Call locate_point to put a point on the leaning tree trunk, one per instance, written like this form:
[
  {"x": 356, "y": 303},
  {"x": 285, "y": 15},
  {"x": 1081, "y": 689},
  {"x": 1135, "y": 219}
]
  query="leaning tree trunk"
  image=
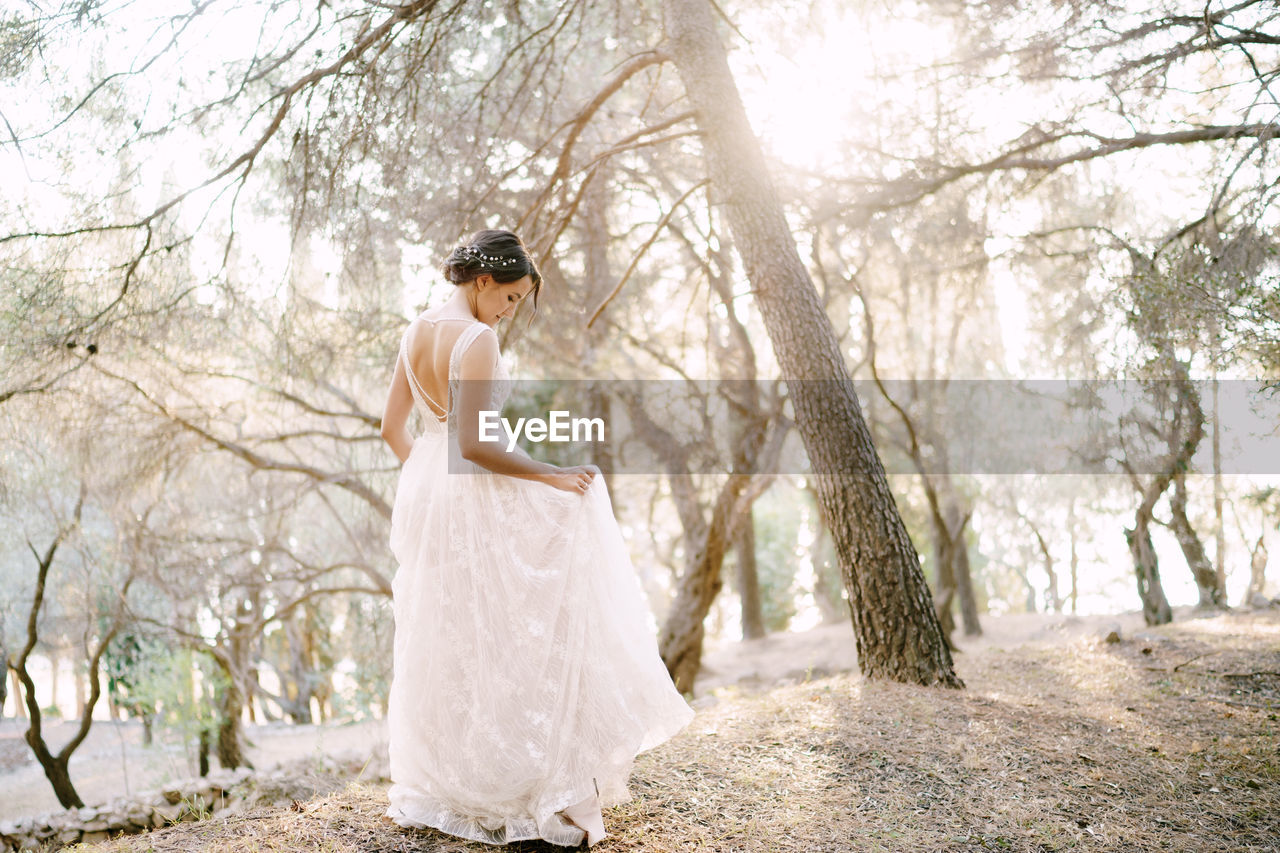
[
  {"x": 897, "y": 632},
  {"x": 1212, "y": 596},
  {"x": 1052, "y": 598},
  {"x": 680, "y": 640},
  {"x": 1155, "y": 607}
]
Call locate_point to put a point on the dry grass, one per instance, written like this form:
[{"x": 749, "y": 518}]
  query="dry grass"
[{"x": 1163, "y": 742}]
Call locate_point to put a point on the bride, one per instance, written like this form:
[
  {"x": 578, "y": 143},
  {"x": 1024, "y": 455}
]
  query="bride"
[{"x": 525, "y": 676}]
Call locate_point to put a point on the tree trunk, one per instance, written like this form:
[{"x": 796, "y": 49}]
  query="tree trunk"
[
  {"x": 680, "y": 640},
  {"x": 960, "y": 572},
  {"x": 944, "y": 581},
  {"x": 56, "y": 765},
  {"x": 55, "y": 664},
  {"x": 19, "y": 710},
  {"x": 1075, "y": 557},
  {"x": 1052, "y": 599},
  {"x": 1155, "y": 607},
  {"x": 202, "y": 753},
  {"x": 79, "y": 678},
  {"x": 1257, "y": 571},
  {"x": 897, "y": 631},
  {"x": 964, "y": 588},
  {"x": 1212, "y": 596},
  {"x": 230, "y": 748},
  {"x": 744, "y": 546}
]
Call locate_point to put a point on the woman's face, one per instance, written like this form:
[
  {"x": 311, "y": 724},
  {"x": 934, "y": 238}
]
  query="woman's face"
[{"x": 496, "y": 301}]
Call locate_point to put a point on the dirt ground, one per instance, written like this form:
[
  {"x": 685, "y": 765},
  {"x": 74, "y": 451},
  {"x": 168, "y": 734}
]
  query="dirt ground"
[
  {"x": 113, "y": 761},
  {"x": 1167, "y": 740}
]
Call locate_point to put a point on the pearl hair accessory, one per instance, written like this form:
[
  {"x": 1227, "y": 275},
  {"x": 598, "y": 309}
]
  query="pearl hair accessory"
[{"x": 476, "y": 253}]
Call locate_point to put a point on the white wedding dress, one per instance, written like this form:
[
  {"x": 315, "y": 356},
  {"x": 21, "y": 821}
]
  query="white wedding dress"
[{"x": 525, "y": 675}]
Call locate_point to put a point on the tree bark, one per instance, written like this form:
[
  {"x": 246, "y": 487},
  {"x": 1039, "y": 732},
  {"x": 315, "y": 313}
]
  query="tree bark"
[
  {"x": 1155, "y": 607},
  {"x": 944, "y": 580},
  {"x": 230, "y": 746},
  {"x": 1075, "y": 557},
  {"x": 1212, "y": 596},
  {"x": 897, "y": 631},
  {"x": 960, "y": 570},
  {"x": 1053, "y": 600},
  {"x": 744, "y": 546},
  {"x": 1257, "y": 571},
  {"x": 680, "y": 640}
]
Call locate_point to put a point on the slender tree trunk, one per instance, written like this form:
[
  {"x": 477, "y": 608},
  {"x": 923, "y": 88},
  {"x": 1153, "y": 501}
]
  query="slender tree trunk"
[
  {"x": 20, "y": 712},
  {"x": 680, "y": 640},
  {"x": 964, "y": 589},
  {"x": 4, "y": 669},
  {"x": 1052, "y": 599},
  {"x": 1212, "y": 596},
  {"x": 1219, "y": 529},
  {"x": 1075, "y": 557},
  {"x": 1155, "y": 607},
  {"x": 1257, "y": 571},
  {"x": 944, "y": 581},
  {"x": 79, "y": 679},
  {"x": 744, "y": 546},
  {"x": 55, "y": 665},
  {"x": 897, "y": 631},
  {"x": 55, "y": 765},
  {"x": 960, "y": 571}
]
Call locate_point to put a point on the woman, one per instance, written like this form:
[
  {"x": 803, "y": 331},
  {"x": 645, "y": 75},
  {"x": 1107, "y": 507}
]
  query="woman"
[{"x": 525, "y": 676}]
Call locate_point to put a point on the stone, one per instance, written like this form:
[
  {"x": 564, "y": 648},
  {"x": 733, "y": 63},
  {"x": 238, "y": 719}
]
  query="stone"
[{"x": 1113, "y": 634}]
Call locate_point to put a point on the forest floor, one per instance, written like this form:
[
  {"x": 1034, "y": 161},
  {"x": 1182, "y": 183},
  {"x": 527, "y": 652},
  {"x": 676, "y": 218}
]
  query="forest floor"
[{"x": 1167, "y": 740}]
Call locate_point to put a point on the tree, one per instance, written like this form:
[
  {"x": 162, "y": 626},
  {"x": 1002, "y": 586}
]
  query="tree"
[
  {"x": 897, "y": 631},
  {"x": 56, "y": 765}
]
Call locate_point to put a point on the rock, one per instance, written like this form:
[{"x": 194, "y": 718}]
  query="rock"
[
  {"x": 165, "y": 815},
  {"x": 1259, "y": 601},
  {"x": 1113, "y": 634}
]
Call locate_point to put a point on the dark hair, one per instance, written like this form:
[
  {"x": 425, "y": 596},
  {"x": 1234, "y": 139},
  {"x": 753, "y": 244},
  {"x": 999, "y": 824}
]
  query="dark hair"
[{"x": 501, "y": 254}]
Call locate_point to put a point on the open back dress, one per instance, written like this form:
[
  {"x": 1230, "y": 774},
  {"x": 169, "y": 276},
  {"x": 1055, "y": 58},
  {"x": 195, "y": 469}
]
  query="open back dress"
[{"x": 525, "y": 674}]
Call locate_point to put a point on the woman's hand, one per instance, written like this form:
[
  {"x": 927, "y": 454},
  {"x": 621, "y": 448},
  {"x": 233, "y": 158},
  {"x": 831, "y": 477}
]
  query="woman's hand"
[{"x": 575, "y": 479}]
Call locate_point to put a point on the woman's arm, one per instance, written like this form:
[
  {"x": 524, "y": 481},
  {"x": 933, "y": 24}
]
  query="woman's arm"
[
  {"x": 476, "y": 373},
  {"x": 395, "y": 415}
]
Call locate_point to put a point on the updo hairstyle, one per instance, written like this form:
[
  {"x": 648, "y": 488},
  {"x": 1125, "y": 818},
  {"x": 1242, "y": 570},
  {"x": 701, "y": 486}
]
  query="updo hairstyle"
[{"x": 501, "y": 254}]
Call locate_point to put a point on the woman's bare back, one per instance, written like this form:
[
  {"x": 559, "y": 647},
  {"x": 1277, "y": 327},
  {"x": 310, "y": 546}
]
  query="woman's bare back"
[{"x": 429, "y": 343}]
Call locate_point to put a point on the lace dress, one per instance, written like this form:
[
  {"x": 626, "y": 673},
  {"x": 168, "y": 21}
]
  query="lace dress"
[{"x": 525, "y": 675}]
